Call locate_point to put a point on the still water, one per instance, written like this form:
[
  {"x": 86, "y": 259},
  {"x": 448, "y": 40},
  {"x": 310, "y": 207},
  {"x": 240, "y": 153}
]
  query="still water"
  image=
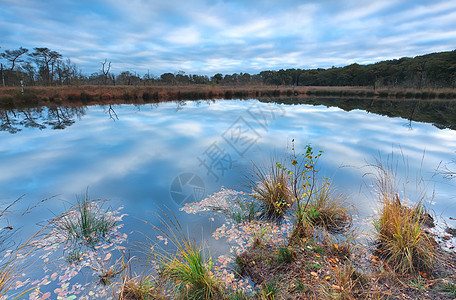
[{"x": 155, "y": 157}]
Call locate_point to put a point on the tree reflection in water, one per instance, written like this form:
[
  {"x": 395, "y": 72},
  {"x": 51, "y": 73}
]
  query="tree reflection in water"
[{"x": 55, "y": 117}]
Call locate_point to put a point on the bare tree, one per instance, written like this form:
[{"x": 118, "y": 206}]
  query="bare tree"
[{"x": 105, "y": 70}]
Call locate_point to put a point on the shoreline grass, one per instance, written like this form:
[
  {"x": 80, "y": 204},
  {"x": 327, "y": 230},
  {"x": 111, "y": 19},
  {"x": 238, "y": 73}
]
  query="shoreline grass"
[{"x": 83, "y": 95}]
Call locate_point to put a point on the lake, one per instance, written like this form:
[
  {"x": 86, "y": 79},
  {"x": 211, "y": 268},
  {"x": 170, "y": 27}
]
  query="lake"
[{"x": 154, "y": 158}]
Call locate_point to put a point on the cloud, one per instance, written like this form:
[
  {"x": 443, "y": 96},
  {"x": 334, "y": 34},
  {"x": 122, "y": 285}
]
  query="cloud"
[{"x": 204, "y": 36}]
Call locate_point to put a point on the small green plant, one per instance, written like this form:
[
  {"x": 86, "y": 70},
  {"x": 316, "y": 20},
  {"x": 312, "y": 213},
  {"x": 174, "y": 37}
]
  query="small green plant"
[
  {"x": 313, "y": 214},
  {"x": 74, "y": 255},
  {"x": 285, "y": 255},
  {"x": 245, "y": 211},
  {"x": 450, "y": 288},
  {"x": 301, "y": 286},
  {"x": 86, "y": 223},
  {"x": 418, "y": 283},
  {"x": 269, "y": 290},
  {"x": 313, "y": 266},
  {"x": 302, "y": 178}
]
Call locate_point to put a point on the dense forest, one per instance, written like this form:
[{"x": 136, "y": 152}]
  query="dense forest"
[{"x": 45, "y": 67}]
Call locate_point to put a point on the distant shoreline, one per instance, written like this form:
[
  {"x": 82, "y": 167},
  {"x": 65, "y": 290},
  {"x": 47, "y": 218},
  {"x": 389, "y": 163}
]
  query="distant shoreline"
[{"x": 11, "y": 97}]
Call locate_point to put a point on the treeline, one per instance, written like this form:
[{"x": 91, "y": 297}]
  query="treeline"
[{"x": 45, "y": 67}]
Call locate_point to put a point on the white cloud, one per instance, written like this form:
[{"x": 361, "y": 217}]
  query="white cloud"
[
  {"x": 186, "y": 36},
  {"x": 236, "y": 36}
]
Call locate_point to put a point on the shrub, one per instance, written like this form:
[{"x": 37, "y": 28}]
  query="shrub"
[{"x": 302, "y": 176}]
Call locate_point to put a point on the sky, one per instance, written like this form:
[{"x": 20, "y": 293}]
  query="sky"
[{"x": 214, "y": 36}]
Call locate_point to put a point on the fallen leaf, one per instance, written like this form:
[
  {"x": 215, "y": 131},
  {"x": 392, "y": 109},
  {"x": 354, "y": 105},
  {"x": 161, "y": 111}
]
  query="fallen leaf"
[{"x": 108, "y": 256}]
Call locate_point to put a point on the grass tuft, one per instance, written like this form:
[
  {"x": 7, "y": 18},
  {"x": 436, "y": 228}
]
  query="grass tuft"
[
  {"x": 140, "y": 289},
  {"x": 86, "y": 223},
  {"x": 402, "y": 240},
  {"x": 349, "y": 284},
  {"x": 328, "y": 210},
  {"x": 285, "y": 255},
  {"x": 271, "y": 186},
  {"x": 188, "y": 270}
]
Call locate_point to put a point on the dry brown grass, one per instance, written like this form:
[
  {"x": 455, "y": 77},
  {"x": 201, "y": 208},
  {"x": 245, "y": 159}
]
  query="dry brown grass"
[
  {"x": 51, "y": 95},
  {"x": 402, "y": 240},
  {"x": 329, "y": 209},
  {"x": 271, "y": 186}
]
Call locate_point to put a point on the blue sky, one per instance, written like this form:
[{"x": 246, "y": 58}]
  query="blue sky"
[{"x": 209, "y": 36}]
